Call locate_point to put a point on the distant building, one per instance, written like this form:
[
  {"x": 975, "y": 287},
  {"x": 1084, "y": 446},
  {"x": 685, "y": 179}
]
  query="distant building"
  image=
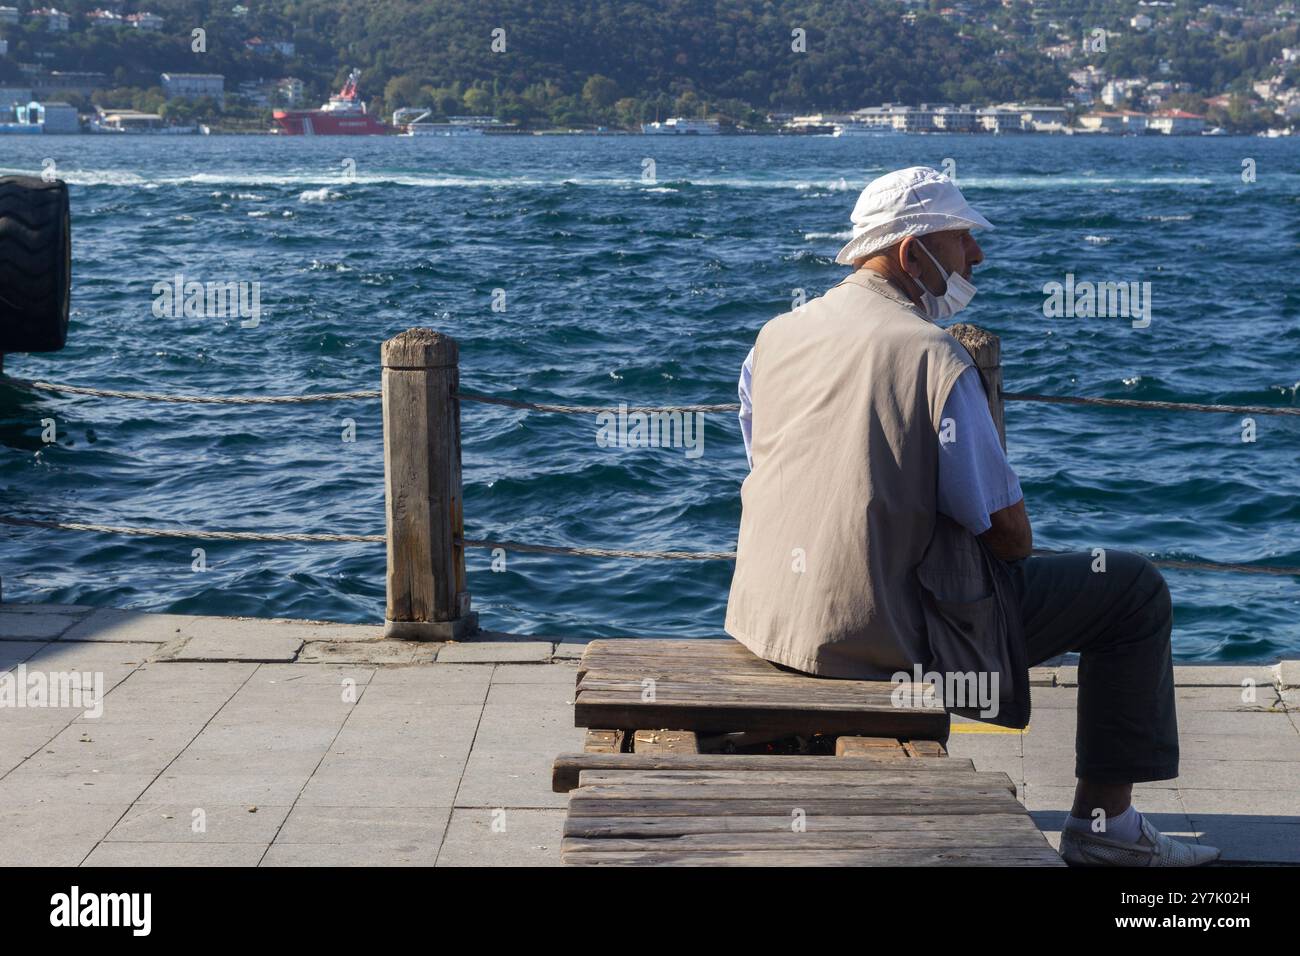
[
  {"x": 62, "y": 81},
  {"x": 51, "y": 117},
  {"x": 269, "y": 47},
  {"x": 1102, "y": 122},
  {"x": 56, "y": 21},
  {"x": 1140, "y": 22},
  {"x": 1043, "y": 119},
  {"x": 954, "y": 119},
  {"x": 12, "y": 95},
  {"x": 193, "y": 86},
  {"x": 289, "y": 91},
  {"x": 1176, "y": 123},
  {"x": 254, "y": 92},
  {"x": 1134, "y": 122},
  {"x": 145, "y": 21},
  {"x": 999, "y": 119},
  {"x": 8, "y": 15},
  {"x": 104, "y": 18},
  {"x": 127, "y": 121}
]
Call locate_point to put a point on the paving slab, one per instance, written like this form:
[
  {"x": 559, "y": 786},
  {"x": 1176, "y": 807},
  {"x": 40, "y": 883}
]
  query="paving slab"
[
  {"x": 350, "y": 854},
  {"x": 24, "y": 626},
  {"x": 231, "y": 644},
  {"x": 1042, "y": 677},
  {"x": 566, "y": 674},
  {"x": 1288, "y": 673},
  {"x": 503, "y": 836},
  {"x": 13, "y": 653},
  {"x": 138, "y": 627},
  {"x": 399, "y": 827},
  {"x": 336, "y": 674},
  {"x": 1217, "y": 675},
  {"x": 176, "y": 854},
  {"x": 369, "y": 652},
  {"x": 182, "y": 823},
  {"x": 224, "y": 789},
  {"x": 1276, "y": 805},
  {"x": 496, "y": 652},
  {"x": 569, "y": 650},
  {"x": 35, "y": 833},
  {"x": 1247, "y": 839}
]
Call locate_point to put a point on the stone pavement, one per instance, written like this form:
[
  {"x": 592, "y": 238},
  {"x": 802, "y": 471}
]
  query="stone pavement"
[{"x": 227, "y": 741}]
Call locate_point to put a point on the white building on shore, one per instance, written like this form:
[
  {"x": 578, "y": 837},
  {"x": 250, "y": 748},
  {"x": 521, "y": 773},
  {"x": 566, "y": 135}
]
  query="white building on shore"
[{"x": 194, "y": 86}]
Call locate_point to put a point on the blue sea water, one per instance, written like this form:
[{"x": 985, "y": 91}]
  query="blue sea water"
[{"x": 622, "y": 290}]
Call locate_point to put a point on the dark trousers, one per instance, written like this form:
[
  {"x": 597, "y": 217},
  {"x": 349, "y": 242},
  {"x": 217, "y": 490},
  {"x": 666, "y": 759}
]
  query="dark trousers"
[{"x": 1119, "y": 621}]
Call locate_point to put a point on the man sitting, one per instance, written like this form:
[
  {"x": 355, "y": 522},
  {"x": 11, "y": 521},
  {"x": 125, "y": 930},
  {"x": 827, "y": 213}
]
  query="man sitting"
[{"x": 883, "y": 528}]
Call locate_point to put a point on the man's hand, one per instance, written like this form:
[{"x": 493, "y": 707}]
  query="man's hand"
[{"x": 1010, "y": 537}]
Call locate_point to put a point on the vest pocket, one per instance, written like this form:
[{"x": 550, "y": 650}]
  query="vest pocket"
[{"x": 975, "y": 647}]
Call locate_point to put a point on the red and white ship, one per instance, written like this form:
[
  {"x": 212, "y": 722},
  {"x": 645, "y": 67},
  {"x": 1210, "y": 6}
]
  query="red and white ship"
[{"x": 344, "y": 115}]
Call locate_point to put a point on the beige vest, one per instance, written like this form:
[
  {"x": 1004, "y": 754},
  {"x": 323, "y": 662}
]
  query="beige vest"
[{"x": 841, "y": 502}]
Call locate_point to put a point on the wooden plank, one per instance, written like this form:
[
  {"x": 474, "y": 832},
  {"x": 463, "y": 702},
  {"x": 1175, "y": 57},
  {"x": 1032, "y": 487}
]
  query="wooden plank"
[
  {"x": 567, "y": 767},
  {"x": 652, "y": 826},
  {"x": 923, "y": 795},
  {"x": 649, "y": 691},
  {"x": 603, "y": 742},
  {"x": 926, "y": 748},
  {"x": 893, "y": 801},
  {"x": 665, "y": 742},
  {"x": 884, "y": 747},
  {"x": 722, "y": 716},
  {"x": 883, "y": 856},
  {"x": 787, "y": 839},
  {"x": 801, "y": 781}
]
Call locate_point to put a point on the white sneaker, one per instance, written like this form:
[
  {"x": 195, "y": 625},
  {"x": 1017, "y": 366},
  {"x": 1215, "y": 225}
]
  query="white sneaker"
[{"x": 1153, "y": 848}]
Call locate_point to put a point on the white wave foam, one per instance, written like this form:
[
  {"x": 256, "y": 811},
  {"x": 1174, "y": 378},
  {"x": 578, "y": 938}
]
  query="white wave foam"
[
  {"x": 844, "y": 236},
  {"x": 1097, "y": 240},
  {"x": 324, "y": 194}
]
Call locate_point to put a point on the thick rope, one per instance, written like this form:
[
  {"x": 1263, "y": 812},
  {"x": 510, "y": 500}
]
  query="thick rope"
[
  {"x": 594, "y": 409},
  {"x": 190, "y": 532},
  {"x": 1137, "y": 403},
  {"x": 613, "y": 409},
  {"x": 196, "y": 399},
  {"x": 604, "y": 552},
  {"x": 542, "y": 548}
]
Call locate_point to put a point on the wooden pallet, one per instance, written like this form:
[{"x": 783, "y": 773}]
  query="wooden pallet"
[{"x": 890, "y": 797}]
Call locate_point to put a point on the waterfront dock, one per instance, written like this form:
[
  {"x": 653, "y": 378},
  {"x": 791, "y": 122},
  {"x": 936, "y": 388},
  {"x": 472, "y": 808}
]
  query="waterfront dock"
[{"x": 257, "y": 742}]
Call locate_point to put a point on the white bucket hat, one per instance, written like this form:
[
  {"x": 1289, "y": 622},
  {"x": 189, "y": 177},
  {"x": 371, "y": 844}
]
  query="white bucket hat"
[{"x": 907, "y": 202}]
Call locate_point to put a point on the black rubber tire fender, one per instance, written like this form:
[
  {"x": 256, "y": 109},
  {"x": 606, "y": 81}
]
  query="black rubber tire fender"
[{"x": 35, "y": 264}]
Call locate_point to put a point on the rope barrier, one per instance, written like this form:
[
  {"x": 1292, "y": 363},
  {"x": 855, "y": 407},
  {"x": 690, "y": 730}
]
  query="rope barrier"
[
  {"x": 1138, "y": 403},
  {"x": 190, "y": 532},
  {"x": 196, "y": 399},
  {"x": 1172, "y": 563},
  {"x": 604, "y": 552},
  {"x": 595, "y": 409},
  {"x": 614, "y": 409}
]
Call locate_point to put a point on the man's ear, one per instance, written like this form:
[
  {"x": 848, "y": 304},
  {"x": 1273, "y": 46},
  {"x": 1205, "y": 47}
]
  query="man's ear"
[{"x": 909, "y": 260}]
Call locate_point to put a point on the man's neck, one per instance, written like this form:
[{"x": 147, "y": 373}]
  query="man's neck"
[{"x": 893, "y": 273}]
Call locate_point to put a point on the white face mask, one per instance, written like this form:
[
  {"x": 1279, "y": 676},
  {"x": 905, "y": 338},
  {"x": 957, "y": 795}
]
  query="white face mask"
[{"x": 956, "y": 297}]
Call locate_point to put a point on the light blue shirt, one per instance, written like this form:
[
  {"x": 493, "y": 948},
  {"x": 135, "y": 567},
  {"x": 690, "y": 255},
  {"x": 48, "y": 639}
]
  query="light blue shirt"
[{"x": 975, "y": 478}]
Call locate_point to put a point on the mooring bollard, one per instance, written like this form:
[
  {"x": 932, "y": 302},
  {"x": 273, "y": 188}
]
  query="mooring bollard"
[
  {"x": 427, "y": 596},
  {"x": 986, "y": 349}
]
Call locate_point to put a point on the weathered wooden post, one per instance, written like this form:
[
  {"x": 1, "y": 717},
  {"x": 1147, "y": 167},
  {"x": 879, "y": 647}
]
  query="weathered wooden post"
[
  {"x": 427, "y": 596},
  {"x": 986, "y": 349}
]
